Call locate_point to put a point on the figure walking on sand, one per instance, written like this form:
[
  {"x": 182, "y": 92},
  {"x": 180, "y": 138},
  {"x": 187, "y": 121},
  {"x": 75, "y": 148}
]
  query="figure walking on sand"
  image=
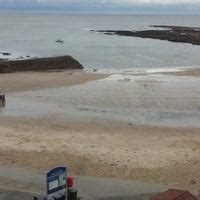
[{"x": 2, "y": 100}]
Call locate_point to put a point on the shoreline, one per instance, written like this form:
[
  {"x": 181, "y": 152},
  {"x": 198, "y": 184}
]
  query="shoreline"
[
  {"x": 37, "y": 80},
  {"x": 193, "y": 72},
  {"x": 179, "y": 71}
]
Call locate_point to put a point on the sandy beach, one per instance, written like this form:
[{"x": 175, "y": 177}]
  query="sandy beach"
[
  {"x": 95, "y": 144},
  {"x": 23, "y": 81}
]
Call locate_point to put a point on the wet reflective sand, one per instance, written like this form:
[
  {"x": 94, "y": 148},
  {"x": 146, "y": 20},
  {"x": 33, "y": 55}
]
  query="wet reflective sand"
[{"x": 151, "y": 99}]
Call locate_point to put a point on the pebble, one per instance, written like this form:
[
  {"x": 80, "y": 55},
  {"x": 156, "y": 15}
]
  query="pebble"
[{"x": 193, "y": 182}]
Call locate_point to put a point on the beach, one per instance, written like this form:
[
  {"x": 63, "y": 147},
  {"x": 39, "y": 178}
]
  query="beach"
[
  {"x": 24, "y": 81},
  {"x": 68, "y": 117}
]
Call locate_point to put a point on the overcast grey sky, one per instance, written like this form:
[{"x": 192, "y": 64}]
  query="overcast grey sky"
[
  {"x": 108, "y": 6},
  {"x": 104, "y": 1}
]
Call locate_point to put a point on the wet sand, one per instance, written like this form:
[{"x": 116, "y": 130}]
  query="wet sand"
[
  {"x": 195, "y": 72},
  {"x": 101, "y": 146}
]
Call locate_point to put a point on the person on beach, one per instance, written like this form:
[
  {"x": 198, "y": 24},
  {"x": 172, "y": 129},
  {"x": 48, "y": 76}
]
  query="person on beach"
[{"x": 2, "y": 100}]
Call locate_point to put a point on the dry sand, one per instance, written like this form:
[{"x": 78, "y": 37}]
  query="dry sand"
[
  {"x": 106, "y": 148},
  {"x": 24, "y": 81}
]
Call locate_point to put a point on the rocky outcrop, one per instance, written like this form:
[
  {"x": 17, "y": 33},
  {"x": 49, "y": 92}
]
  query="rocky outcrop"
[
  {"x": 37, "y": 64},
  {"x": 171, "y": 33}
]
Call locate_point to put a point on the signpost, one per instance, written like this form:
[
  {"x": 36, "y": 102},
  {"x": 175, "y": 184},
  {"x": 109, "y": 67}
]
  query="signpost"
[
  {"x": 58, "y": 186},
  {"x": 56, "y": 181}
]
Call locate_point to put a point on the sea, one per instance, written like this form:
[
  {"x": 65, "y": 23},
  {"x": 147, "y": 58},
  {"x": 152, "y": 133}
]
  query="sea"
[{"x": 34, "y": 34}]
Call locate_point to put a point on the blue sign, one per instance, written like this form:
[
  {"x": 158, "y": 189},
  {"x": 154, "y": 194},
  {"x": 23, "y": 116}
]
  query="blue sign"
[{"x": 56, "y": 180}]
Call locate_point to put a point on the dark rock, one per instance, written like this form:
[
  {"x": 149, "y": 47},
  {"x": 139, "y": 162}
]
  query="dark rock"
[
  {"x": 6, "y": 54},
  {"x": 39, "y": 64},
  {"x": 193, "y": 182},
  {"x": 170, "y": 33}
]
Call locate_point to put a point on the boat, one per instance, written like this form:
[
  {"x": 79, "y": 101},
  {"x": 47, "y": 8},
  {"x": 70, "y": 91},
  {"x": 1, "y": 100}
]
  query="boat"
[{"x": 59, "y": 41}]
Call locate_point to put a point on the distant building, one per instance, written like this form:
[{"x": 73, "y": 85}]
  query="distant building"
[{"x": 174, "y": 195}]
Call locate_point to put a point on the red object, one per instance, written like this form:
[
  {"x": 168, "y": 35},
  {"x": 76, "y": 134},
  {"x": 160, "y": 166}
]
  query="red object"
[
  {"x": 70, "y": 181},
  {"x": 175, "y": 195}
]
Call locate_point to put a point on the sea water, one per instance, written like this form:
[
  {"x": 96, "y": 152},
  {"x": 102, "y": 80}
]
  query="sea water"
[{"x": 35, "y": 34}]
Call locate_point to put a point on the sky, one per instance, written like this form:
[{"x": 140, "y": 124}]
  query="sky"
[
  {"x": 107, "y": 6},
  {"x": 103, "y": 1}
]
